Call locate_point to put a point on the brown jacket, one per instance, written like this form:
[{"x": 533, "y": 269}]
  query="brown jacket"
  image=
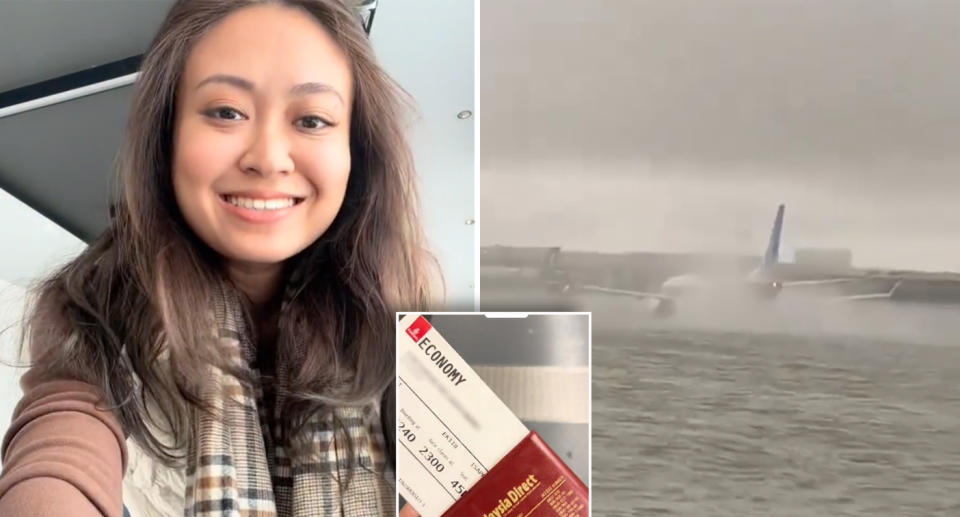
[{"x": 61, "y": 455}]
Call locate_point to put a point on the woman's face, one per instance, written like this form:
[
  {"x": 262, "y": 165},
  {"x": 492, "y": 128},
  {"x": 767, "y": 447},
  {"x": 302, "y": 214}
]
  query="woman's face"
[{"x": 261, "y": 147}]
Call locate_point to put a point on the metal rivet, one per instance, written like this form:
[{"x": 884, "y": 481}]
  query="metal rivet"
[{"x": 465, "y": 114}]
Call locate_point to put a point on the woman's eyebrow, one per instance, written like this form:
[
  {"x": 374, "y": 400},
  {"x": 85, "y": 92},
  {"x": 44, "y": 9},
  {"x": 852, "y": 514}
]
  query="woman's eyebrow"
[{"x": 243, "y": 84}]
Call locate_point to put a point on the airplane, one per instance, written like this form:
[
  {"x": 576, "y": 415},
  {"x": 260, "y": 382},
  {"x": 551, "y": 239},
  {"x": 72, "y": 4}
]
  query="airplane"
[{"x": 764, "y": 281}]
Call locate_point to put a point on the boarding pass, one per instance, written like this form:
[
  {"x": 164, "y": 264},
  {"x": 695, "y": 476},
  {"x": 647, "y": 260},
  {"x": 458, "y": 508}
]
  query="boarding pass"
[{"x": 451, "y": 427}]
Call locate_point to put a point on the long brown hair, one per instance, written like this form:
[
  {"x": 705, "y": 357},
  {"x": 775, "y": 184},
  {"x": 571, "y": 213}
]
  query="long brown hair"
[{"x": 124, "y": 313}]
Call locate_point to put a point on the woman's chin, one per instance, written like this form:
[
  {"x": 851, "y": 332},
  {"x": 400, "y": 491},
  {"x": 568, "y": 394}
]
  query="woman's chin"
[{"x": 262, "y": 255}]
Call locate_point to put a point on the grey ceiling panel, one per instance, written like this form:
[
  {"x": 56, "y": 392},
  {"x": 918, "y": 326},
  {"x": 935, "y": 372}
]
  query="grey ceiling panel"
[
  {"x": 43, "y": 39},
  {"x": 58, "y": 159}
]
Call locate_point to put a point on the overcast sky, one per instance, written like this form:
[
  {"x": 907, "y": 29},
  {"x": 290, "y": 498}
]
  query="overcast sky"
[{"x": 679, "y": 125}]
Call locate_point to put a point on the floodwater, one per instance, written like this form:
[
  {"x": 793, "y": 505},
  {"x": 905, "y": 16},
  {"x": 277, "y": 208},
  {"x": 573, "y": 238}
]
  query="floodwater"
[{"x": 795, "y": 408}]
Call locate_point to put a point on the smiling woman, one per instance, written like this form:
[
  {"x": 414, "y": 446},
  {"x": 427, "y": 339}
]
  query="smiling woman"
[
  {"x": 262, "y": 139},
  {"x": 227, "y": 345}
]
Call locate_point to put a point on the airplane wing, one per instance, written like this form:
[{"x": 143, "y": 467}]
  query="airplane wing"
[
  {"x": 814, "y": 283},
  {"x": 625, "y": 292},
  {"x": 665, "y": 306},
  {"x": 871, "y": 296}
]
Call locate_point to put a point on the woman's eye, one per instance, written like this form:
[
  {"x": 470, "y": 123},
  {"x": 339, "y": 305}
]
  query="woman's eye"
[
  {"x": 224, "y": 113},
  {"x": 313, "y": 123}
]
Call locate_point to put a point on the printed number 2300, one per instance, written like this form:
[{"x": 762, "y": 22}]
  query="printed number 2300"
[{"x": 432, "y": 460}]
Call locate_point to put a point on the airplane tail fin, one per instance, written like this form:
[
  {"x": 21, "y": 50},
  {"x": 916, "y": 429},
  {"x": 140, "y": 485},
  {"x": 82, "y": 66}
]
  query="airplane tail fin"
[
  {"x": 555, "y": 277},
  {"x": 772, "y": 256},
  {"x": 550, "y": 259}
]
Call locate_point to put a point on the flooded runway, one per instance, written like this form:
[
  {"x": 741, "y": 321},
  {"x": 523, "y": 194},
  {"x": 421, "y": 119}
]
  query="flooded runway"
[{"x": 815, "y": 411}]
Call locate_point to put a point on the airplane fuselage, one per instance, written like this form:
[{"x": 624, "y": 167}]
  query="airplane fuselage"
[{"x": 693, "y": 285}]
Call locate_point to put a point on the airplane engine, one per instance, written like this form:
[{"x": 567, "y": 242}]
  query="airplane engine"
[{"x": 768, "y": 290}]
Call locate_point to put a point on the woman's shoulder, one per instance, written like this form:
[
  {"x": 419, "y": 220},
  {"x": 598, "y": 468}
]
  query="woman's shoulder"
[
  {"x": 149, "y": 487},
  {"x": 60, "y": 432},
  {"x": 43, "y": 394}
]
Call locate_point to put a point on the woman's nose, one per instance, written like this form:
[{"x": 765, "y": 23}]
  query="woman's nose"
[{"x": 269, "y": 151}]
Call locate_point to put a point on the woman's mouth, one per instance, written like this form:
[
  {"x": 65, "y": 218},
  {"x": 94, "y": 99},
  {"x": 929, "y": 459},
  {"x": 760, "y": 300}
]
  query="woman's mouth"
[
  {"x": 259, "y": 210},
  {"x": 261, "y": 204}
]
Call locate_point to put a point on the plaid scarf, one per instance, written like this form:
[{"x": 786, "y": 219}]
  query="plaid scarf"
[{"x": 237, "y": 468}]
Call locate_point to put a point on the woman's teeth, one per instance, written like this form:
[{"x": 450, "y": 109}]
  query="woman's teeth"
[{"x": 261, "y": 204}]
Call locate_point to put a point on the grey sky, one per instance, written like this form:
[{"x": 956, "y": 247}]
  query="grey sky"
[{"x": 679, "y": 125}]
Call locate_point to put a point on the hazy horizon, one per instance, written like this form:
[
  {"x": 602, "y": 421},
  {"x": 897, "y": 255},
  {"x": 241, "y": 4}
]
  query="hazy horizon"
[{"x": 680, "y": 125}]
